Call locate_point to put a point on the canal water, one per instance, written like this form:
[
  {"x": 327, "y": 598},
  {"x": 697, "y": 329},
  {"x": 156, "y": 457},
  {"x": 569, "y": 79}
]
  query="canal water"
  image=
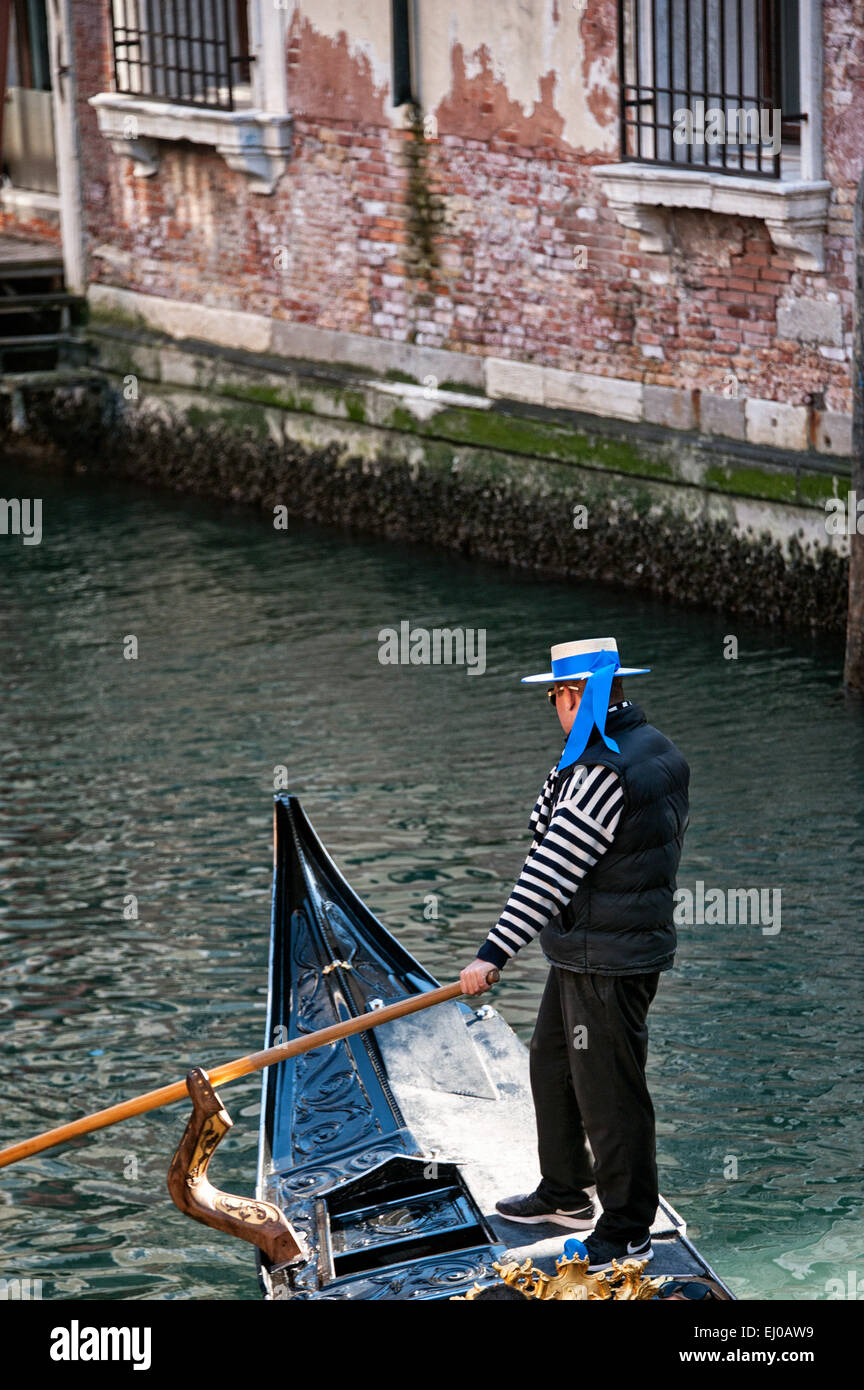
[{"x": 152, "y": 779}]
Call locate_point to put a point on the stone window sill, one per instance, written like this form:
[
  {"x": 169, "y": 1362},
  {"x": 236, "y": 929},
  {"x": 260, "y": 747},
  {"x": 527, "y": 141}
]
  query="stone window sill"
[
  {"x": 28, "y": 200},
  {"x": 255, "y": 143},
  {"x": 795, "y": 212}
]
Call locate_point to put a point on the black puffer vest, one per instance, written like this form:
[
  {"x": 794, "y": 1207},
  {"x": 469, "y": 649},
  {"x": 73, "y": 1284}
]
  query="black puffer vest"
[{"x": 620, "y": 919}]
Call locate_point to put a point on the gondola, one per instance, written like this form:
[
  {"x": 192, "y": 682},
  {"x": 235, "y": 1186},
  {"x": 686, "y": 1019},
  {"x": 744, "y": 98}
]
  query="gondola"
[
  {"x": 386, "y": 1138},
  {"x": 387, "y": 1150}
]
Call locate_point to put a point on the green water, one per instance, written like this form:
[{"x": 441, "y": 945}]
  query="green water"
[{"x": 154, "y": 777}]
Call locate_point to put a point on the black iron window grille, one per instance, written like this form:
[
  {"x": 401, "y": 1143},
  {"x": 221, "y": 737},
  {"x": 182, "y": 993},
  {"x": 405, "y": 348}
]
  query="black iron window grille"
[
  {"x": 711, "y": 84},
  {"x": 191, "y": 52}
]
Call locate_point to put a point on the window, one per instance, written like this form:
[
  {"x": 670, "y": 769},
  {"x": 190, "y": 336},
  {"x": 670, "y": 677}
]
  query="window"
[
  {"x": 711, "y": 85},
  {"x": 29, "y": 66},
  {"x": 403, "y": 57},
  {"x": 187, "y": 52},
  {"x": 26, "y": 116},
  {"x": 204, "y": 72}
]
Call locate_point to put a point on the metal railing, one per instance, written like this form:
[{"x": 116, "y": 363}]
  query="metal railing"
[
  {"x": 191, "y": 52},
  {"x": 710, "y": 84}
]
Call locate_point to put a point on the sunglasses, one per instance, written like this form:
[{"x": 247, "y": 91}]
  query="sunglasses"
[{"x": 552, "y": 692}]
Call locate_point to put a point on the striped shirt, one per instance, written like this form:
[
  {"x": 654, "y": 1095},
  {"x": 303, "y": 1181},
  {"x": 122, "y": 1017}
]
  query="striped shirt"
[{"x": 571, "y": 830}]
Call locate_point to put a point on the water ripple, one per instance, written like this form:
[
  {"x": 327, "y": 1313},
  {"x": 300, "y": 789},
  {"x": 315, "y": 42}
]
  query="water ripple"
[{"x": 135, "y": 864}]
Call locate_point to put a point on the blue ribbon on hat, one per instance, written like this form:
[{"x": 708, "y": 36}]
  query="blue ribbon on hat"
[{"x": 594, "y": 703}]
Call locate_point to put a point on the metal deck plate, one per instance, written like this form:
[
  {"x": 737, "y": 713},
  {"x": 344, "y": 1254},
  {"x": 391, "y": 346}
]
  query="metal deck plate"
[{"x": 492, "y": 1135}]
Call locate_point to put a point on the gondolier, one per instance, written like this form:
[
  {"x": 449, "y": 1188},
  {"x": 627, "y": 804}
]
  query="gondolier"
[
  {"x": 597, "y": 888},
  {"x": 356, "y": 1100}
]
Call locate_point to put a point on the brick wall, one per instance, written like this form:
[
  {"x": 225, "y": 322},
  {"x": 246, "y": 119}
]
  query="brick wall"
[
  {"x": 34, "y": 226},
  {"x": 468, "y": 240}
]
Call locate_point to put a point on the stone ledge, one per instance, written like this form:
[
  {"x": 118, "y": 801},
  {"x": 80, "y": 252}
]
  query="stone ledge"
[
  {"x": 834, "y": 433},
  {"x": 255, "y": 143},
  {"x": 777, "y": 424},
  {"x": 796, "y": 214},
  {"x": 778, "y": 564},
  {"x": 678, "y": 414},
  {"x": 258, "y": 333},
  {"x": 308, "y": 399},
  {"x": 550, "y": 386},
  {"x": 722, "y": 415}
]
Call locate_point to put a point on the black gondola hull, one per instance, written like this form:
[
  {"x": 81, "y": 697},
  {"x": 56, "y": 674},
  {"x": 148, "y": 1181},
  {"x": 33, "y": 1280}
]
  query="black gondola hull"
[{"x": 388, "y": 1149}]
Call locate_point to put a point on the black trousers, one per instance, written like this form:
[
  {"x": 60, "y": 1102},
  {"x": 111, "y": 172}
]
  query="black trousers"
[{"x": 595, "y": 1120}]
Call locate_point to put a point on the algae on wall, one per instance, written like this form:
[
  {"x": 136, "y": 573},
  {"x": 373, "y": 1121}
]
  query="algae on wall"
[{"x": 502, "y": 509}]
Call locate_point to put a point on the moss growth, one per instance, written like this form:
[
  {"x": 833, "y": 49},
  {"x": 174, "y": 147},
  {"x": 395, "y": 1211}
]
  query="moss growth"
[
  {"x": 493, "y": 431},
  {"x": 123, "y": 363},
  {"x": 334, "y": 365},
  {"x": 277, "y": 396},
  {"x": 753, "y": 482},
  {"x": 518, "y": 435},
  {"x": 344, "y": 401},
  {"x": 113, "y": 317},
  {"x": 817, "y": 487},
  {"x": 234, "y": 417},
  {"x": 508, "y": 510},
  {"x": 466, "y": 388},
  {"x": 355, "y": 405},
  {"x": 402, "y": 419},
  {"x": 424, "y": 206},
  {"x": 394, "y": 374}
]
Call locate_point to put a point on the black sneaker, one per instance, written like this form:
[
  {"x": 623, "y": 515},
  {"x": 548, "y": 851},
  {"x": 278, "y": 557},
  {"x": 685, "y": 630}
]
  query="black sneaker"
[
  {"x": 601, "y": 1252},
  {"x": 534, "y": 1210}
]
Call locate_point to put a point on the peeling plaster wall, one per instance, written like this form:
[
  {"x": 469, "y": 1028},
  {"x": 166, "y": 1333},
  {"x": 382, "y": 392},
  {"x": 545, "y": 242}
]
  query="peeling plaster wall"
[
  {"x": 539, "y": 69},
  {"x": 543, "y": 68},
  {"x": 468, "y": 240},
  {"x": 339, "y": 63}
]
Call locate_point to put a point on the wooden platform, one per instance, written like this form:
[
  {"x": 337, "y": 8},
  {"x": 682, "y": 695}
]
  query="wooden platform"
[
  {"x": 39, "y": 320},
  {"x": 19, "y": 256}
]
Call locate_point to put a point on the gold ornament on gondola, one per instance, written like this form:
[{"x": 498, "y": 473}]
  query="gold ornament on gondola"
[{"x": 625, "y": 1280}]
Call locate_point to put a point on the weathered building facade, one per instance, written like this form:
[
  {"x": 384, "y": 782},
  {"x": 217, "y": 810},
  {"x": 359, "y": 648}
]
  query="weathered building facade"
[
  {"x": 461, "y": 187},
  {"x": 639, "y": 213}
]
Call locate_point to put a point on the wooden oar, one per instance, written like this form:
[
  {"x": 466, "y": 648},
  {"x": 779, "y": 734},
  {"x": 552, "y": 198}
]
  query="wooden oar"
[{"x": 230, "y": 1071}]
